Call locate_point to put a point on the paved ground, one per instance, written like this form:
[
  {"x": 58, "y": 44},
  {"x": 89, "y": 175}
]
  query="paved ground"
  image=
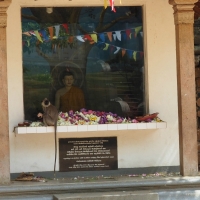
[{"x": 160, "y": 186}]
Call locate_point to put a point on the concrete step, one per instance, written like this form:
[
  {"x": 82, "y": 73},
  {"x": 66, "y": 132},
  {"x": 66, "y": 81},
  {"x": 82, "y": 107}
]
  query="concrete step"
[
  {"x": 137, "y": 195},
  {"x": 120, "y": 188}
]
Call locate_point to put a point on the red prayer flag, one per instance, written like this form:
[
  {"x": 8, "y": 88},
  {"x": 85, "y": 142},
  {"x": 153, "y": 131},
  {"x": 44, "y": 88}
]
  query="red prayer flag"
[
  {"x": 88, "y": 37},
  {"x": 128, "y": 32},
  {"x": 66, "y": 27}
]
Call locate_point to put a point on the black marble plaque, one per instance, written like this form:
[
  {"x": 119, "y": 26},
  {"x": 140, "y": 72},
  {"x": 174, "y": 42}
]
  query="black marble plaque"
[{"x": 88, "y": 154}]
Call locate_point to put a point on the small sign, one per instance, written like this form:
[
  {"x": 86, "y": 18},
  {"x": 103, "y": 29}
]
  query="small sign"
[{"x": 88, "y": 154}]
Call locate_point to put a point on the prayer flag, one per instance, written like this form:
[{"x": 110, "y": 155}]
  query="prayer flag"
[
  {"x": 111, "y": 48},
  {"x": 50, "y": 32},
  {"x": 109, "y": 34},
  {"x": 65, "y": 27},
  {"x": 114, "y": 36},
  {"x": 70, "y": 39},
  {"x": 32, "y": 33},
  {"x": 134, "y": 55},
  {"x": 102, "y": 36},
  {"x": 57, "y": 28},
  {"x": 124, "y": 36},
  {"x": 118, "y": 48},
  {"x": 38, "y": 36},
  {"x": 130, "y": 53},
  {"x": 94, "y": 37},
  {"x": 112, "y": 5},
  {"x": 105, "y": 4},
  {"x": 118, "y": 34},
  {"x": 28, "y": 43},
  {"x": 128, "y": 32},
  {"x": 80, "y": 38},
  {"x": 87, "y": 37},
  {"x": 106, "y": 47},
  {"x": 27, "y": 33},
  {"x": 123, "y": 52},
  {"x": 137, "y": 29},
  {"x": 44, "y": 34}
]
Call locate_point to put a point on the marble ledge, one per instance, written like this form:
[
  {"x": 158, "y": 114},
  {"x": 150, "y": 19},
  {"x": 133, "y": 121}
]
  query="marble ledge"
[{"x": 88, "y": 128}]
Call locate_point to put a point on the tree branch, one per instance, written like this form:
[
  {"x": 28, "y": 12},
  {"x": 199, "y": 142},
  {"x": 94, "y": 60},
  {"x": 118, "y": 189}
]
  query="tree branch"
[
  {"x": 31, "y": 17},
  {"x": 104, "y": 28},
  {"x": 101, "y": 18},
  {"x": 47, "y": 58}
]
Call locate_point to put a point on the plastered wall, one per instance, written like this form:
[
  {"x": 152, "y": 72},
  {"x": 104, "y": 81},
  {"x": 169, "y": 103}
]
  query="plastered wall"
[{"x": 141, "y": 148}]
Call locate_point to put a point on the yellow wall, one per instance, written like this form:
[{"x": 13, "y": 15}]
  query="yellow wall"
[{"x": 141, "y": 148}]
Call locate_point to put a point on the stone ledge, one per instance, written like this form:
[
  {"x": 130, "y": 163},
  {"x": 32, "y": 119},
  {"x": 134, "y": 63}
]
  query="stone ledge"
[
  {"x": 136, "y": 195},
  {"x": 108, "y": 185},
  {"x": 87, "y": 128}
]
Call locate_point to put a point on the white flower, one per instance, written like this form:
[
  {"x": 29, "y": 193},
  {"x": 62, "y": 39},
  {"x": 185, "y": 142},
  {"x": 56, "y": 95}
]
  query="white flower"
[
  {"x": 36, "y": 124},
  {"x": 109, "y": 117},
  {"x": 60, "y": 119},
  {"x": 63, "y": 123},
  {"x": 124, "y": 120},
  {"x": 83, "y": 116}
]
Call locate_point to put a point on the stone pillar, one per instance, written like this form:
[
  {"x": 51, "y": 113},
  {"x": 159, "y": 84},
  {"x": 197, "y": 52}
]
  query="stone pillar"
[
  {"x": 4, "y": 125},
  {"x": 184, "y": 19}
]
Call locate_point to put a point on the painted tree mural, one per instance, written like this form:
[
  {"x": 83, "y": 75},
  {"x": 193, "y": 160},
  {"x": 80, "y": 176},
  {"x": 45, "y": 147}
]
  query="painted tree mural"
[{"x": 71, "y": 38}]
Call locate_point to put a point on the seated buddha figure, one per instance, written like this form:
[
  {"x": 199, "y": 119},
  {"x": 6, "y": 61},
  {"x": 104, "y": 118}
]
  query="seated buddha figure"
[{"x": 69, "y": 97}]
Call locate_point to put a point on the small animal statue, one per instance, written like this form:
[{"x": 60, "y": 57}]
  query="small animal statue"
[{"x": 50, "y": 118}]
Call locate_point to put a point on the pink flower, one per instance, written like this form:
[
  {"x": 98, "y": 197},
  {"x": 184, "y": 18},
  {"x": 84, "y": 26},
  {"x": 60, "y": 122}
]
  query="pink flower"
[
  {"x": 62, "y": 115},
  {"x": 71, "y": 112},
  {"x": 143, "y": 174},
  {"x": 90, "y": 111},
  {"x": 119, "y": 121}
]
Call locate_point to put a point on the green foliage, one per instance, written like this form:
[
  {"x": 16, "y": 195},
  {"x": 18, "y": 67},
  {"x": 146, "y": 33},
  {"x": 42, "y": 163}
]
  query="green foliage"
[
  {"x": 47, "y": 44},
  {"x": 45, "y": 78}
]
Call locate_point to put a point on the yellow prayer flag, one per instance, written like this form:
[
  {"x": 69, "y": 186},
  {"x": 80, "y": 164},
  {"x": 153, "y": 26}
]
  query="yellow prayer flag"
[
  {"x": 105, "y": 4},
  {"x": 106, "y": 47},
  {"x": 137, "y": 29},
  {"x": 134, "y": 55},
  {"x": 38, "y": 36},
  {"x": 28, "y": 43},
  {"x": 94, "y": 37}
]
